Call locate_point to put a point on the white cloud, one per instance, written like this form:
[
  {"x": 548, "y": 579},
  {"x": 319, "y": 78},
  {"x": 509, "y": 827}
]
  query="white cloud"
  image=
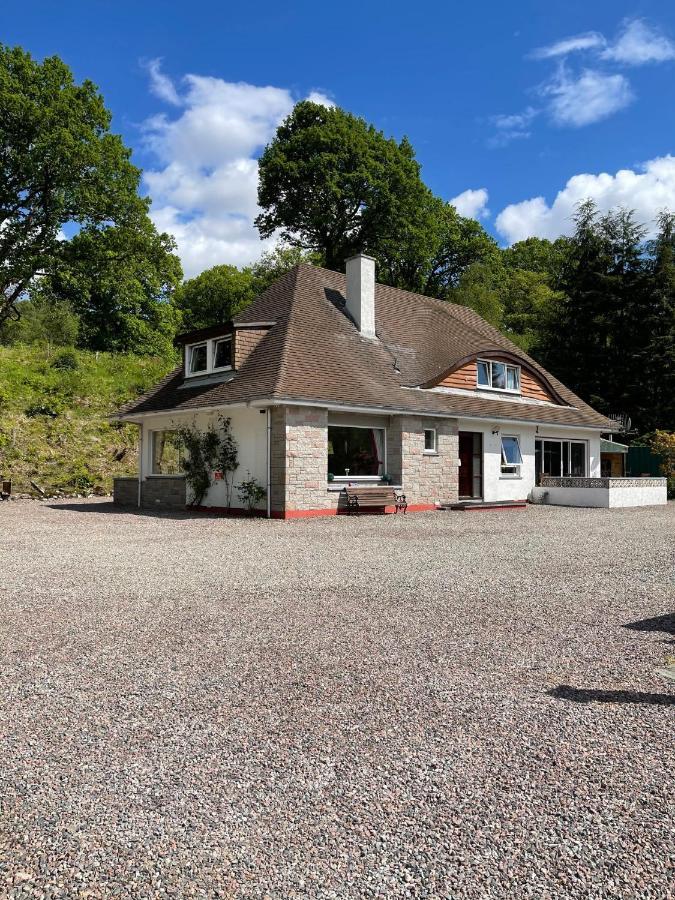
[
  {"x": 472, "y": 203},
  {"x": 590, "y": 40},
  {"x": 512, "y": 127},
  {"x": 160, "y": 84},
  {"x": 638, "y": 43},
  {"x": 204, "y": 188},
  {"x": 646, "y": 190},
  {"x": 578, "y": 100},
  {"x": 320, "y": 98}
]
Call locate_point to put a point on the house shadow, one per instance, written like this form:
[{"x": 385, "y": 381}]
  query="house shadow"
[
  {"x": 107, "y": 507},
  {"x": 599, "y": 695},
  {"x": 665, "y": 623}
]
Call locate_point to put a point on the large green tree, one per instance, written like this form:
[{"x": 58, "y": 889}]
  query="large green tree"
[
  {"x": 333, "y": 184},
  {"x": 121, "y": 282},
  {"x": 62, "y": 170},
  {"x": 60, "y": 165},
  {"x": 214, "y": 296}
]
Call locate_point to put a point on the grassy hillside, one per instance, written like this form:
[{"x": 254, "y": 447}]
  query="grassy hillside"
[{"x": 54, "y": 409}]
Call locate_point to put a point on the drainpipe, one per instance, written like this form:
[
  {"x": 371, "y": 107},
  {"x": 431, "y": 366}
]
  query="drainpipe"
[
  {"x": 269, "y": 463},
  {"x": 140, "y": 462}
]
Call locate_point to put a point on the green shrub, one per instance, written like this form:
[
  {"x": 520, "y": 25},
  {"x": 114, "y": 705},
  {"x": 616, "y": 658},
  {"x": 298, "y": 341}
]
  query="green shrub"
[
  {"x": 41, "y": 409},
  {"x": 66, "y": 359}
]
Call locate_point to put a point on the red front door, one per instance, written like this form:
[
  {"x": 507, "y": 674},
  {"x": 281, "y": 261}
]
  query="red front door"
[{"x": 471, "y": 464}]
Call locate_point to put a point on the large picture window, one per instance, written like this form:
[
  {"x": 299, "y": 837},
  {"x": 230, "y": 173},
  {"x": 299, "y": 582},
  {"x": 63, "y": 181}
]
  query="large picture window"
[
  {"x": 166, "y": 453},
  {"x": 355, "y": 452},
  {"x": 566, "y": 459}
]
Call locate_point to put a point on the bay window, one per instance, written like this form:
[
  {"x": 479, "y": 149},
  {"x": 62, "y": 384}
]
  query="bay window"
[
  {"x": 498, "y": 376},
  {"x": 355, "y": 452}
]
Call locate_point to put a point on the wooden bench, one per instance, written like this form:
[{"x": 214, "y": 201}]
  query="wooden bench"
[{"x": 362, "y": 498}]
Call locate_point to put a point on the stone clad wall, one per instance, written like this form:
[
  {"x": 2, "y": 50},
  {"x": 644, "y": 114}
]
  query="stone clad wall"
[
  {"x": 166, "y": 492},
  {"x": 426, "y": 478},
  {"x": 125, "y": 491}
]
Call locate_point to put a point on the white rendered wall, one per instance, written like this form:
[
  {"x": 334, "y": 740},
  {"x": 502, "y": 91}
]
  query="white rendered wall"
[
  {"x": 507, "y": 487},
  {"x": 607, "y": 498},
  {"x": 249, "y": 427}
]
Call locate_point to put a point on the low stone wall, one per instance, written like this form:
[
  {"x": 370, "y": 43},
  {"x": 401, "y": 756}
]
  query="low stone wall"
[
  {"x": 165, "y": 492},
  {"x": 607, "y": 493},
  {"x": 125, "y": 491}
]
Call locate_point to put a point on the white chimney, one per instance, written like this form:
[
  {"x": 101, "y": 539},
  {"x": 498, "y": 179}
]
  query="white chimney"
[{"x": 361, "y": 293}]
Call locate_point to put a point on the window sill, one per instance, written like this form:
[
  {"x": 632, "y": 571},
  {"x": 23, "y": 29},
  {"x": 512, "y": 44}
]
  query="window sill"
[
  {"x": 510, "y": 477},
  {"x": 340, "y": 486},
  {"x": 429, "y": 452},
  {"x": 487, "y": 387}
]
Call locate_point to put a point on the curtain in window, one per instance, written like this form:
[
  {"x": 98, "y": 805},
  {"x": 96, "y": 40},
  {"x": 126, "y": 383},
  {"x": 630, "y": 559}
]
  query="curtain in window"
[{"x": 378, "y": 446}]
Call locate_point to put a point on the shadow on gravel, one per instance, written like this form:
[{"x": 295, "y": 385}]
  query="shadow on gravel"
[
  {"x": 589, "y": 695},
  {"x": 109, "y": 508},
  {"x": 658, "y": 623}
]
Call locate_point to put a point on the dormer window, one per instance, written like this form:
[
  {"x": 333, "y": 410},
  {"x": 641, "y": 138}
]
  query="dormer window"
[
  {"x": 222, "y": 353},
  {"x": 209, "y": 356},
  {"x": 198, "y": 359},
  {"x": 498, "y": 376}
]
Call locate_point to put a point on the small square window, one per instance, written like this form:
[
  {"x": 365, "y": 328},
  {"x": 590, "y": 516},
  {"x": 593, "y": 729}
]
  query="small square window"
[
  {"x": 198, "y": 358},
  {"x": 222, "y": 354},
  {"x": 429, "y": 440}
]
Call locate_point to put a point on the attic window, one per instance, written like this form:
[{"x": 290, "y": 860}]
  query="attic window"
[
  {"x": 498, "y": 376},
  {"x": 214, "y": 355},
  {"x": 198, "y": 358},
  {"x": 222, "y": 353}
]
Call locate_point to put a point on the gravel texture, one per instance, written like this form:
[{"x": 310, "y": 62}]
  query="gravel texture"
[{"x": 436, "y": 705}]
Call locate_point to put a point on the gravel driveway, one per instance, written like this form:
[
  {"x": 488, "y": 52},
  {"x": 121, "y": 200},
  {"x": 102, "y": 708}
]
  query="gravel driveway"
[{"x": 436, "y": 705}]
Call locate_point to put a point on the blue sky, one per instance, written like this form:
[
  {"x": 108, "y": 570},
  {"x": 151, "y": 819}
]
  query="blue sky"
[{"x": 518, "y": 110}]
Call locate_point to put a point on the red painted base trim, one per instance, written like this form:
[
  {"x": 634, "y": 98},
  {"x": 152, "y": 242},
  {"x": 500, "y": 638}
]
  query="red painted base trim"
[{"x": 315, "y": 513}]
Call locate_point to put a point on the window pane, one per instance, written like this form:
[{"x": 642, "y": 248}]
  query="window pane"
[
  {"x": 223, "y": 354},
  {"x": 512, "y": 378},
  {"x": 566, "y": 459},
  {"x": 578, "y": 459},
  {"x": 552, "y": 458},
  {"x": 166, "y": 453},
  {"x": 511, "y": 451},
  {"x": 484, "y": 374},
  {"x": 198, "y": 358},
  {"x": 498, "y": 375},
  {"x": 355, "y": 451},
  {"x": 429, "y": 439}
]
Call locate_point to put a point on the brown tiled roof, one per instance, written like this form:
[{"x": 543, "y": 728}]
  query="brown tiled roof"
[{"x": 315, "y": 353}]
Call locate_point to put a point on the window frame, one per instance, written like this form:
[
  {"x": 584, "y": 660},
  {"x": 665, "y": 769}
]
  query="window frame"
[
  {"x": 210, "y": 344},
  {"x": 507, "y": 366},
  {"x": 506, "y": 469},
  {"x": 153, "y": 437},
  {"x": 188, "y": 358},
  {"x": 583, "y": 442},
  {"x": 220, "y": 340},
  {"x": 347, "y": 479},
  {"x": 433, "y": 450}
]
